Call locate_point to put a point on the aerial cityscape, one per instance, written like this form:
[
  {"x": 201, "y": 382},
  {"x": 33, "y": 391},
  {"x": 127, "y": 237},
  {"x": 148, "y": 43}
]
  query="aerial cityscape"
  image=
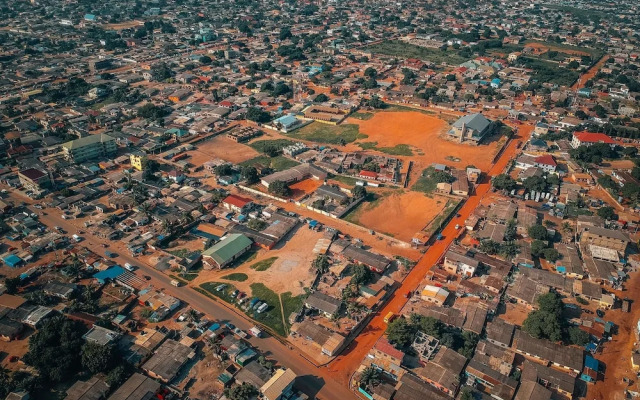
[{"x": 321, "y": 199}]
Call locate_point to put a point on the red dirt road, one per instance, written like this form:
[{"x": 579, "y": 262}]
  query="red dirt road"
[
  {"x": 590, "y": 73},
  {"x": 344, "y": 365}
]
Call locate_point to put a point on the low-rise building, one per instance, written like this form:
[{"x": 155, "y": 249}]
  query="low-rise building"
[
  {"x": 225, "y": 252},
  {"x": 168, "y": 360},
  {"x": 89, "y": 147}
]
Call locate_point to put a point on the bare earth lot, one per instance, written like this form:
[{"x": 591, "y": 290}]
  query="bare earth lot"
[
  {"x": 425, "y": 135},
  {"x": 302, "y": 188},
  {"x": 291, "y": 272},
  {"x": 221, "y": 147},
  {"x": 399, "y": 214}
]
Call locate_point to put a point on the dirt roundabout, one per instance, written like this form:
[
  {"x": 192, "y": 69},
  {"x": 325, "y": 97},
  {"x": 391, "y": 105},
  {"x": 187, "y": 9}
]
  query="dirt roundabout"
[
  {"x": 425, "y": 135},
  {"x": 400, "y": 214}
]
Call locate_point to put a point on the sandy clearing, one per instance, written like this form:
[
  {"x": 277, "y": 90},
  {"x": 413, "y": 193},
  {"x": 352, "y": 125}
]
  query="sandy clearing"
[
  {"x": 401, "y": 214},
  {"x": 425, "y": 134},
  {"x": 302, "y": 188},
  {"x": 547, "y": 47},
  {"x": 221, "y": 147},
  {"x": 291, "y": 272}
]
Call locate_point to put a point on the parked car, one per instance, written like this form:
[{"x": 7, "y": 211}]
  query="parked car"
[
  {"x": 129, "y": 267},
  {"x": 220, "y": 288},
  {"x": 235, "y": 293}
]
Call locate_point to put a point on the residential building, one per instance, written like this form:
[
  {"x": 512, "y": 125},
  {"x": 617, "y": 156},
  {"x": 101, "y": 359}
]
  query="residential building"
[
  {"x": 89, "y": 147},
  {"x": 589, "y": 138},
  {"x": 471, "y": 127},
  {"x": 280, "y": 386}
]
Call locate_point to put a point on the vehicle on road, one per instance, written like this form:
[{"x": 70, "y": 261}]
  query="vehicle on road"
[
  {"x": 255, "y": 331},
  {"x": 129, "y": 267},
  {"x": 230, "y": 326},
  {"x": 457, "y": 226},
  {"x": 76, "y": 238},
  {"x": 59, "y": 229},
  {"x": 440, "y": 236},
  {"x": 239, "y": 332},
  {"x": 175, "y": 282},
  {"x": 389, "y": 317}
]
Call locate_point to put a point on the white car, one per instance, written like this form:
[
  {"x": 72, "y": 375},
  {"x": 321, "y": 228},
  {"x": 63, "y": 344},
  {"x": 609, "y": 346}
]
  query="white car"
[{"x": 129, "y": 267}]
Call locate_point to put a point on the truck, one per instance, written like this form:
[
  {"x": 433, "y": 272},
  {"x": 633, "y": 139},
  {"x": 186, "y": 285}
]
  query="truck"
[
  {"x": 389, "y": 317},
  {"x": 175, "y": 282},
  {"x": 76, "y": 238},
  {"x": 129, "y": 267},
  {"x": 262, "y": 308},
  {"x": 255, "y": 331}
]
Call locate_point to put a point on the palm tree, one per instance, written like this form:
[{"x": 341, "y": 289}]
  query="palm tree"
[
  {"x": 567, "y": 228},
  {"x": 369, "y": 377}
]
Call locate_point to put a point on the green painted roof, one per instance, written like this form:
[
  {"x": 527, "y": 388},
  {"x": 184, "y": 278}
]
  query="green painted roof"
[
  {"x": 87, "y": 140},
  {"x": 224, "y": 251}
]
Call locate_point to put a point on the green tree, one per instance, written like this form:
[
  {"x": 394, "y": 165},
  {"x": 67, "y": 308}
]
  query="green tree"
[
  {"x": 321, "y": 98},
  {"x": 400, "y": 332},
  {"x": 12, "y": 285},
  {"x": 258, "y": 115},
  {"x": 359, "y": 192},
  {"x": 321, "y": 264},
  {"x": 98, "y": 358},
  {"x": 546, "y": 322},
  {"x": 538, "y": 232},
  {"x": 489, "y": 247},
  {"x": 510, "y": 230},
  {"x": 54, "y": 350},
  {"x": 551, "y": 255},
  {"x": 245, "y": 391},
  {"x": 369, "y": 378},
  {"x": 117, "y": 376},
  {"x": 537, "y": 248},
  {"x": 577, "y": 336},
  {"x": 503, "y": 182},
  {"x": 279, "y": 188},
  {"x": 607, "y": 213},
  {"x": 257, "y": 224},
  {"x": 361, "y": 274}
]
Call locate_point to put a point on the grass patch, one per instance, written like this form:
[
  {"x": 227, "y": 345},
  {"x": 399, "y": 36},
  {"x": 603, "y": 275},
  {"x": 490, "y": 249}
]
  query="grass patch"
[
  {"x": 397, "y": 150},
  {"x": 272, "y": 316},
  {"x": 264, "y": 264},
  {"x": 260, "y": 145},
  {"x": 182, "y": 253},
  {"x": 291, "y": 304},
  {"x": 236, "y": 276},
  {"x": 277, "y": 163},
  {"x": 187, "y": 277},
  {"x": 224, "y": 294},
  {"x": 442, "y": 217},
  {"x": 347, "y": 180},
  {"x": 429, "y": 179},
  {"x": 548, "y": 72},
  {"x": 364, "y": 116},
  {"x": 397, "y": 48},
  {"x": 325, "y": 133}
]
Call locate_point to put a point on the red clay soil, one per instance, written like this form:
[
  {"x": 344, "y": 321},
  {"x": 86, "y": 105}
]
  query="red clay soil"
[
  {"x": 590, "y": 73},
  {"x": 345, "y": 364},
  {"x": 616, "y": 354}
]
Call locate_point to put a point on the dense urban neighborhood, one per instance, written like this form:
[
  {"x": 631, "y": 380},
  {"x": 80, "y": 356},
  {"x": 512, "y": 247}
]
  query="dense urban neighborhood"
[{"x": 284, "y": 200}]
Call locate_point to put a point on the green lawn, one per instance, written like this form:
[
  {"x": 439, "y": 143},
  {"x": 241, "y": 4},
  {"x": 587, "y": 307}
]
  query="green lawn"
[
  {"x": 179, "y": 253},
  {"x": 264, "y": 264},
  {"x": 397, "y": 150},
  {"x": 236, "y": 276},
  {"x": 397, "y": 48},
  {"x": 278, "y": 143},
  {"x": 426, "y": 183},
  {"x": 347, "y": 180},
  {"x": 331, "y": 134},
  {"x": 362, "y": 115},
  {"x": 291, "y": 304},
  {"x": 277, "y": 163},
  {"x": 225, "y": 294},
  {"x": 272, "y": 317},
  {"x": 548, "y": 72}
]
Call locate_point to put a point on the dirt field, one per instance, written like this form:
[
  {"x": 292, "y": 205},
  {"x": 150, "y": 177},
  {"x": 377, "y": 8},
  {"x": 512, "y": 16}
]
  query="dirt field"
[
  {"x": 291, "y": 272},
  {"x": 546, "y": 47},
  {"x": 302, "y": 188},
  {"x": 424, "y": 133},
  {"x": 400, "y": 214},
  {"x": 221, "y": 147},
  {"x": 122, "y": 25},
  {"x": 616, "y": 354}
]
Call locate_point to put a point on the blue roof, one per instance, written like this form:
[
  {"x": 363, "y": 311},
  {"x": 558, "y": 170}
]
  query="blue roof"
[
  {"x": 313, "y": 223},
  {"x": 496, "y": 80},
  {"x": 110, "y": 273},
  {"x": 89, "y": 17},
  {"x": 12, "y": 260},
  {"x": 592, "y": 363},
  {"x": 287, "y": 120}
]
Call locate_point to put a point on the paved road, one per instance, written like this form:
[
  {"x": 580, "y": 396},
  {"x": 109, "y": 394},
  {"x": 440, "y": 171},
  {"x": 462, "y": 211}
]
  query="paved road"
[
  {"x": 344, "y": 365},
  {"x": 312, "y": 380}
]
